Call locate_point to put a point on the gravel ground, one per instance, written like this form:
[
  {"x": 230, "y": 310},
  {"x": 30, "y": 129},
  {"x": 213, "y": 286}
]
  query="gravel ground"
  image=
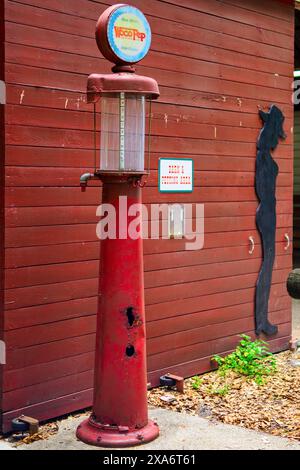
[{"x": 273, "y": 407}]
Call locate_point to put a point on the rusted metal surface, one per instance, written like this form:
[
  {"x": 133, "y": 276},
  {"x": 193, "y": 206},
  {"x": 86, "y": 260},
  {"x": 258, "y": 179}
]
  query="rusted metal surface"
[
  {"x": 32, "y": 423},
  {"x": 120, "y": 414},
  {"x": 115, "y": 436},
  {"x": 179, "y": 382},
  {"x": 120, "y": 82}
]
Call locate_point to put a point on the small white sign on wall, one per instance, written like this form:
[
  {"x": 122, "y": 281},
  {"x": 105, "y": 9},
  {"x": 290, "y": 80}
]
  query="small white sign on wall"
[{"x": 176, "y": 175}]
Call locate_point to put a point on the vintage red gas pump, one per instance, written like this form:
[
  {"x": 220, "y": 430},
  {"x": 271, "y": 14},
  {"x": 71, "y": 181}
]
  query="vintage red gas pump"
[{"x": 120, "y": 412}]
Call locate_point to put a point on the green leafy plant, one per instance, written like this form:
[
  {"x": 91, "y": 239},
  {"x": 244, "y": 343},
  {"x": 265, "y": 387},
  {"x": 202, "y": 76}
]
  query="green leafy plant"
[
  {"x": 196, "y": 382},
  {"x": 250, "y": 358},
  {"x": 222, "y": 391}
]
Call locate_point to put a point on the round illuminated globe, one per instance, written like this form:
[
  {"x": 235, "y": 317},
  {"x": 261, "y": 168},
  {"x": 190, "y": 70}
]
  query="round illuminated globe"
[{"x": 123, "y": 34}]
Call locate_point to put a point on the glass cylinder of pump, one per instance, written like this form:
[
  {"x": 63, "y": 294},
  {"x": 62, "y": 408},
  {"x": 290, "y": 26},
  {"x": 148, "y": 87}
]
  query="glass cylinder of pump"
[{"x": 122, "y": 132}]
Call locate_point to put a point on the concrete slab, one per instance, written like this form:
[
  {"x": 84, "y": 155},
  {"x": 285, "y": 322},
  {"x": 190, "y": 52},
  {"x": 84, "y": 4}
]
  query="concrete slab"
[
  {"x": 296, "y": 318},
  {"x": 178, "y": 432},
  {"x": 5, "y": 446}
]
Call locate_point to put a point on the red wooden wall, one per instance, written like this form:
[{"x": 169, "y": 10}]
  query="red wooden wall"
[
  {"x": 216, "y": 64},
  {"x": 2, "y": 157}
]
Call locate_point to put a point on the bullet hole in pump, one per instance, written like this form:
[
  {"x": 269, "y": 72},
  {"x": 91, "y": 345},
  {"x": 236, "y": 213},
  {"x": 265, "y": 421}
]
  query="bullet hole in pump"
[
  {"x": 130, "y": 316},
  {"x": 130, "y": 350}
]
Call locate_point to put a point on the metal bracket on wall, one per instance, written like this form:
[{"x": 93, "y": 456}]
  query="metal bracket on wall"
[
  {"x": 33, "y": 424},
  {"x": 251, "y": 251},
  {"x": 287, "y": 238},
  {"x": 179, "y": 382}
]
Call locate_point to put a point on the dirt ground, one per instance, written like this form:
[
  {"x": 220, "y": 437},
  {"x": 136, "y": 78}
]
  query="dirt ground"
[{"x": 273, "y": 407}]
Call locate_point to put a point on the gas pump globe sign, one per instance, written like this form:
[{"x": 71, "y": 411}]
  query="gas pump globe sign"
[{"x": 128, "y": 35}]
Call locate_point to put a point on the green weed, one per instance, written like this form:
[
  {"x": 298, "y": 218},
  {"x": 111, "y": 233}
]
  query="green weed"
[{"x": 250, "y": 358}]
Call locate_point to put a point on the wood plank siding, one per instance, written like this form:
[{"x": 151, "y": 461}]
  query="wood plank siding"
[
  {"x": 2, "y": 190},
  {"x": 297, "y": 188},
  {"x": 217, "y": 63}
]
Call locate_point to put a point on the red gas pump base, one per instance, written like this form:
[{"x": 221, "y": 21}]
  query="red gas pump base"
[{"x": 93, "y": 433}]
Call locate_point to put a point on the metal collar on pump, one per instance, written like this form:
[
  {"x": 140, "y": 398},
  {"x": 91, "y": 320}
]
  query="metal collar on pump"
[{"x": 121, "y": 82}]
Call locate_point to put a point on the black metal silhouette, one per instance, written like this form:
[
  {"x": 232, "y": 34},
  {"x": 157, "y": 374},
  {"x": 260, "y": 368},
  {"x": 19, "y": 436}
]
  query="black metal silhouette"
[{"x": 265, "y": 185}]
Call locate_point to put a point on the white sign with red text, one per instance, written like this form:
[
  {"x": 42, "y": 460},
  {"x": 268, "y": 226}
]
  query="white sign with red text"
[{"x": 176, "y": 175}]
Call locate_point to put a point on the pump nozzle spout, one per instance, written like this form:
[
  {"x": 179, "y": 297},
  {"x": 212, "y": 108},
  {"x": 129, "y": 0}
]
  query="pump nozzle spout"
[{"x": 84, "y": 180}]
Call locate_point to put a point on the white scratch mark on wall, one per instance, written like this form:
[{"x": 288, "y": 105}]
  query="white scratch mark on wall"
[{"x": 22, "y": 96}]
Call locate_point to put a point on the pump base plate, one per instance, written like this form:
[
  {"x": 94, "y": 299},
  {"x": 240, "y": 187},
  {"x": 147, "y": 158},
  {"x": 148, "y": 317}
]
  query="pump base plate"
[{"x": 93, "y": 434}]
